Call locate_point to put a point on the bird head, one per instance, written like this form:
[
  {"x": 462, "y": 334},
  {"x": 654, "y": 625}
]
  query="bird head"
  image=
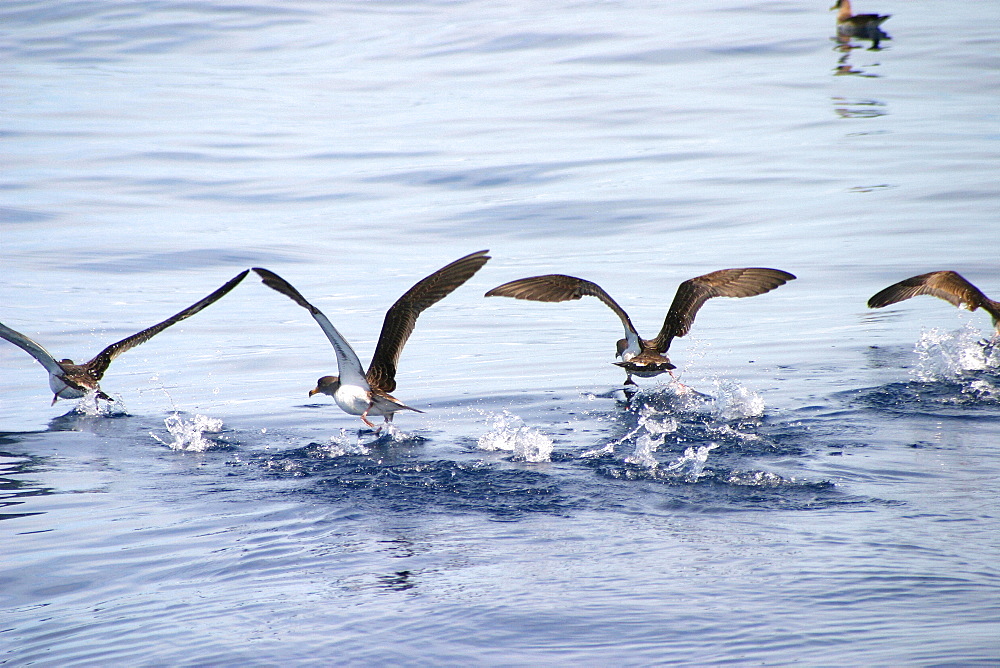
[{"x": 326, "y": 385}]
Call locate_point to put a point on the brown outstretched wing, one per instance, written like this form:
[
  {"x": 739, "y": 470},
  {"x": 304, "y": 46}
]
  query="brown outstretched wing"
[
  {"x": 947, "y": 285},
  {"x": 99, "y": 364},
  {"x": 402, "y": 316},
  {"x": 561, "y": 288},
  {"x": 694, "y": 292}
]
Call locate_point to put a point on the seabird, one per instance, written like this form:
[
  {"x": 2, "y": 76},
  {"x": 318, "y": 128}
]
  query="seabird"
[
  {"x": 69, "y": 380},
  {"x": 947, "y": 285},
  {"x": 645, "y": 357},
  {"x": 862, "y": 26},
  {"x": 364, "y": 394}
]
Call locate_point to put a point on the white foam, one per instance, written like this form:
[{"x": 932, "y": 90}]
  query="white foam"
[
  {"x": 945, "y": 355},
  {"x": 508, "y": 433},
  {"x": 189, "y": 435}
]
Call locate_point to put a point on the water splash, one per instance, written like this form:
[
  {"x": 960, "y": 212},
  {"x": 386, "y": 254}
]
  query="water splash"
[
  {"x": 510, "y": 434},
  {"x": 90, "y": 406},
  {"x": 733, "y": 401},
  {"x": 764, "y": 479},
  {"x": 650, "y": 431},
  {"x": 691, "y": 464},
  {"x": 344, "y": 444},
  {"x": 189, "y": 435},
  {"x": 645, "y": 446},
  {"x": 728, "y": 401},
  {"x": 945, "y": 355},
  {"x": 983, "y": 391}
]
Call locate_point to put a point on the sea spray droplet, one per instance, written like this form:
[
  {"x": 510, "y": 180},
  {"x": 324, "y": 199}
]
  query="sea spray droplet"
[
  {"x": 509, "y": 434},
  {"x": 189, "y": 435}
]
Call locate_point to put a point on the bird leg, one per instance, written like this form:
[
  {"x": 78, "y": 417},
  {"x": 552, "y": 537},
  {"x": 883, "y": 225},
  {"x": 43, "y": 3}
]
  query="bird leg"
[
  {"x": 684, "y": 389},
  {"x": 364, "y": 418}
]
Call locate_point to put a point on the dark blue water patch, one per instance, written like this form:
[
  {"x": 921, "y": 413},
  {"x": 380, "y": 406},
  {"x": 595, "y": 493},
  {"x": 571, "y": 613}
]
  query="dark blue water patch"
[
  {"x": 717, "y": 489},
  {"x": 501, "y": 491},
  {"x": 695, "y": 420},
  {"x": 822, "y": 435},
  {"x": 973, "y": 397}
]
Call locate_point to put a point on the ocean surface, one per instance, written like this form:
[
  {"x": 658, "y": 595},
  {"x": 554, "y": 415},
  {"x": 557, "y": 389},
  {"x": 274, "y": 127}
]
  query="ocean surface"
[{"x": 821, "y": 488}]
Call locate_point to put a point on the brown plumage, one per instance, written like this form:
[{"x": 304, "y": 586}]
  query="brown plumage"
[
  {"x": 947, "y": 285},
  {"x": 862, "y": 26},
  {"x": 359, "y": 393},
  {"x": 401, "y": 317},
  {"x": 645, "y": 357},
  {"x": 69, "y": 380}
]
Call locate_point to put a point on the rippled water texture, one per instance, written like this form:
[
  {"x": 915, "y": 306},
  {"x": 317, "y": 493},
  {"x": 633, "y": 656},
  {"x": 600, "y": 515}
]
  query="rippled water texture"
[{"x": 821, "y": 489}]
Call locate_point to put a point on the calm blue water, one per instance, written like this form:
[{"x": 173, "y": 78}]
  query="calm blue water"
[{"x": 827, "y": 495}]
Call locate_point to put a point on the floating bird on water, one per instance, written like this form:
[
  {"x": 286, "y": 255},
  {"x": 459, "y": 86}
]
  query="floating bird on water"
[
  {"x": 862, "y": 26},
  {"x": 947, "y": 285},
  {"x": 69, "y": 380},
  {"x": 645, "y": 357},
  {"x": 364, "y": 394}
]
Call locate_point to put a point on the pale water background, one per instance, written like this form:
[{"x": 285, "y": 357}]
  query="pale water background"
[{"x": 834, "y": 501}]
